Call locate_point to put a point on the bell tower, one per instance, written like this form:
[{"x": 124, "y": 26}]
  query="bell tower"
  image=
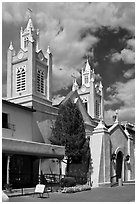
[
  {"x": 91, "y": 92},
  {"x": 29, "y": 71}
]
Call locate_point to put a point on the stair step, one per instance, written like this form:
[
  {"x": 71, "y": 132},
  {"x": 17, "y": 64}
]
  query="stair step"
[{"x": 129, "y": 182}]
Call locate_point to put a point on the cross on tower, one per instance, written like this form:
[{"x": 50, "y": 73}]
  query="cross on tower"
[
  {"x": 73, "y": 76},
  {"x": 28, "y": 13}
]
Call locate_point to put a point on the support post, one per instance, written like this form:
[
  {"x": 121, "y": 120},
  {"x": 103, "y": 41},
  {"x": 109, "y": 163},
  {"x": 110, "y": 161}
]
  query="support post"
[
  {"x": 8, "y": 164},
  {"x": 39, "y": 170},
  {"x": 100, "y": 154}
]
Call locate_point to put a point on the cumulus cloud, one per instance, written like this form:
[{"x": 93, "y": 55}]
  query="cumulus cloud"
[
  {"x": 62, "y": 77},
  {"x": 131, "y": 44},
  {"x": 87, "y": 14},
  {"x": 124, "y": 114},
  {"x": 129, "y": 73},
  {"x": 127, "y": 55},
  {"x": 61, "y": 25},
  {"x": 124, "y": 95},
  {"x": 116, "y": 57}
]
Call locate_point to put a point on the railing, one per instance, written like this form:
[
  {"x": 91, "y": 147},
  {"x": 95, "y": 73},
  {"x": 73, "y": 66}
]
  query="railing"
[{"x": 51, "y": 181}]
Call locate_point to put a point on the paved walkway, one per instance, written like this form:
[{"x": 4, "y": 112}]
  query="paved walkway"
[{"x": 106, "y": 194}]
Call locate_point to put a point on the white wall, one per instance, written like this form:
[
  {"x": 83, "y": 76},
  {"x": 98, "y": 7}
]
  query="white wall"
[{"x": 22, "y": 121}]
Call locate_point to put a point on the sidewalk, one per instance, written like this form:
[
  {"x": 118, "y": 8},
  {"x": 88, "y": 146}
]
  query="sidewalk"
[
  {"x": 124, "y": 193},
  {"x": 20, "y": 192},
  {"x": 30, "y": 191}
]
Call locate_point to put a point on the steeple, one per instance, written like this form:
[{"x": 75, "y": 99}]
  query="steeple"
[
  {"x": 91, "y": 90},
  {"x": 75, "y": 85},
  {"x": 100, "y": 86},
  {"x": 30, "y": 25},
  {"x": 86, "y": 74},
  {"x": 48, "y": 50},
  {"x": 11, "y": 46},
  {"x": 87, "y": 68},
  {"x": 29, "y": 34}
]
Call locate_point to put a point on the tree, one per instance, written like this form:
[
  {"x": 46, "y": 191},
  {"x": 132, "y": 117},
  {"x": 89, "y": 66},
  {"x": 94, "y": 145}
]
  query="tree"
[{"x": 69, "y": 131}]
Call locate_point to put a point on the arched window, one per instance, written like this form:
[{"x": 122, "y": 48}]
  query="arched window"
[
  {"x": 97, "y": 108},
  {"x": 86, "y": 79},
  {"x": 85, "y": 102},
  {"x": 41, "y": 81},
  {"x": 26, "y": 41},
  {"x": 21, "y": 78}
]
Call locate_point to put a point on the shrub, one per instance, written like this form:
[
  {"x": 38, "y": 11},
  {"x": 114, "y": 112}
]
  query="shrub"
[
  {"x": 68, "y": 182},
  {"x": 76, "y": 189}
]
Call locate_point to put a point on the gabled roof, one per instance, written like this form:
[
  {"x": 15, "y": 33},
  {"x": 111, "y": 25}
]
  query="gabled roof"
[
  {"x": 114, "y": 127},
  {"x": 74, "y": 97},
  {"x": 40, "y": 54}
]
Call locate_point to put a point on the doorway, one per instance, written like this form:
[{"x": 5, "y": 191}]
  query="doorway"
[{"x": 119, "y": 161}]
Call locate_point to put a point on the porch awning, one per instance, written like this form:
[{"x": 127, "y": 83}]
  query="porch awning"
[{"x": 14, "y": 146}]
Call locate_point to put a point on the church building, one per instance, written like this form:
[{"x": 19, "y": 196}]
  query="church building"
[
  {"x": 27, "y": 113},
  {"x": 112, "y": 147},
  {"x": 28, "y": 116}
]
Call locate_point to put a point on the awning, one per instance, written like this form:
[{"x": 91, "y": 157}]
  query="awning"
[{"x": 14, "y": 146}]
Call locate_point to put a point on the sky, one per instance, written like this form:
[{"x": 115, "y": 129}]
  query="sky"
[{"x": 73, "y": 30}]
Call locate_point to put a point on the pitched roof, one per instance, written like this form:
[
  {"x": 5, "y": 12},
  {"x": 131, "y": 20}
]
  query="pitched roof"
[
  {"x": 73, "y": 95},
  {"x": 113, "y": 128}
]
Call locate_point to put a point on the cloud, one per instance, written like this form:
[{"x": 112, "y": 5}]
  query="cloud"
[
  {"x": 129, "y": 73},
  {"x": 127, "y": 55},
  {"x": 12, "y": 12},
  {"x": 124, "y": 114},
  {"x": 62, "y": 77},
  {"x": 131, "y": 44},
  {"x": 117, "y": 14},
  {"x": 116, "y": 57},
  {"x": 61, "y": 25},
  {"x": 124, "y": 95}
]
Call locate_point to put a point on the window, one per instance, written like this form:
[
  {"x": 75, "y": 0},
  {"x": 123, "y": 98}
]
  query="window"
[
  {"x": 21, "y": 78},
  {"x": 85, "y": 102},
  {"x": 86, "y": 106},
  {"x": 40, "y": 81},
  {"x": 97, "y": 109},
  {"x": 86, "y": 79},
  {"x": 4, "y": 120},
  {"x": 26, "y": 41}
]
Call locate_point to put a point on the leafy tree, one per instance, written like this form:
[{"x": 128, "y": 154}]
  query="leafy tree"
[{"x": 69, "y": 131}]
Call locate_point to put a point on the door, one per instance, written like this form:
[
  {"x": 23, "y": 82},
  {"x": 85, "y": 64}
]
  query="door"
[{"x": 119, "y": 161}]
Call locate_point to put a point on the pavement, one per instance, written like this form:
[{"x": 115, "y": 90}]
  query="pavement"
[{"x": 125, "y": 193}]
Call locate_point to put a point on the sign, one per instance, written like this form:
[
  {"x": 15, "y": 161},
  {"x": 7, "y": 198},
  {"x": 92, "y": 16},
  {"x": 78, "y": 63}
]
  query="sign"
[{"x": 39, "y": 188}]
